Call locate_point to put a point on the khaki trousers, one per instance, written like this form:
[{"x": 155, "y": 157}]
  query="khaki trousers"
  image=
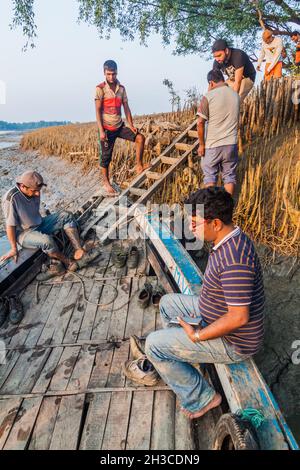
[{"x": 246, "y": 87}]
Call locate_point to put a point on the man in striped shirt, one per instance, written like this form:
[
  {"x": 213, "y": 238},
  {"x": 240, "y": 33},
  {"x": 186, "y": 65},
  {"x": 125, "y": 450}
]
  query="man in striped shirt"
[
  {"x": 230, "y": 308},
  {"x": 110, "y": 96}
]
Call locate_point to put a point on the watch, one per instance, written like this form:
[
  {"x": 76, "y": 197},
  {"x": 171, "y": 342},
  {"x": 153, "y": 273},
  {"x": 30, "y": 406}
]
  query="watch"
[{"x": 197, "y": 336}]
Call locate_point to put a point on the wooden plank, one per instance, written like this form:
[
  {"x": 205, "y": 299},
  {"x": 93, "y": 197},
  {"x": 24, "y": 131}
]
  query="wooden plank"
[
  {"x": 42, "y": 312},
  {"x": 44, "y": 426},
  {"x": 153, "y": 175},
  {"x": 184, "y": 147},
  {"x": 5, "y": 369},
  {"x": 8, "y": 411},
  {"x": 135, "y": 313},
  {"x": 90, "y": 315},
  {"x": 57, "y": 309},
  {"x": 82, "y": 371},
  {"x": 66, "y": 313},
  {"x": 25, "y": 372},
  {"x": 73, "y": 328},
  {"x": 139, "y": 430},
  {"x": 64, "y": 393},
  {"x": 184, "y": 439},
  {"x": 163, "y": 424},
  {"x": 121, "y": 355},
  {"x": 193, "y": 134},
  {"x": 119, "y": 310},
  {"x": 169, "y": 160},
  {"x": 66, "y": 431},
  {"x": 115, "y": 433},
  {"x": 42, "y": 382},
  {"x": 137, "y": 191},
  {"x": 17, "y": 334},
  {"x": 101, "y": 369},
  {"x": 104, "y": 313},
  {"x": 64, "y": 369},
  {"x": 20, "y": 433},
  {"x": 94, "y": 426}
]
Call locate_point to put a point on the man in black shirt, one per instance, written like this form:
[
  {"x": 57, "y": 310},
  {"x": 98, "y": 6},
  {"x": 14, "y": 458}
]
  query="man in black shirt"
[{"x": 236, "y": 64}]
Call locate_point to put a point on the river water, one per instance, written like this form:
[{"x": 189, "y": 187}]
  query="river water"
[{"x": 10, "y": 138}]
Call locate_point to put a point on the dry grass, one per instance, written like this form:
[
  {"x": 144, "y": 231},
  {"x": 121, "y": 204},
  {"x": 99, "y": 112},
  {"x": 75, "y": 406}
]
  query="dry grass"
[{"x": 269, "y": 172}]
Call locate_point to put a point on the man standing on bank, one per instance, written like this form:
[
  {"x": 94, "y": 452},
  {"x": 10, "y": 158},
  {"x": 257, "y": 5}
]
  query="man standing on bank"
[
  {"x": 236, "y": 64},
  {"x": 110, "y": 96},
  {"x": 219, "y": 108},
  {"x": 271, "y": 50}
]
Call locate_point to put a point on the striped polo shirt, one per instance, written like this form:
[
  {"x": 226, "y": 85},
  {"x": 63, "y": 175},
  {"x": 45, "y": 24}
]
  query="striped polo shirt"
[
  {"x": 111, "y": 104},
  {"x": 234, "y": 277}
]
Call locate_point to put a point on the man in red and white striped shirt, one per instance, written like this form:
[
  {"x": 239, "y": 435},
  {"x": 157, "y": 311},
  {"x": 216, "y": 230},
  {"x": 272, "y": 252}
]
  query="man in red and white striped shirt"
[{"x": 110, "y": 96}]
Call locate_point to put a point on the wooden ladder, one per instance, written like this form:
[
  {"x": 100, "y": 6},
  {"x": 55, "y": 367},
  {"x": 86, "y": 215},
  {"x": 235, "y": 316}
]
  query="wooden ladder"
[{"x": 172, "y": 158}]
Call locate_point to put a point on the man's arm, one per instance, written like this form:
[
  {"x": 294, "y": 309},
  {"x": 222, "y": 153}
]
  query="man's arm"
[
  {"x": 129, "y": 116},
  {"x": 238, "y": 79},
  {"x": 11, "y": 235},
  {"x": 261, "y": 57},
  {"x": 98, "y": 105},
  {"x": 201, "y": 134},
  {"x": 203, "y": 115}
]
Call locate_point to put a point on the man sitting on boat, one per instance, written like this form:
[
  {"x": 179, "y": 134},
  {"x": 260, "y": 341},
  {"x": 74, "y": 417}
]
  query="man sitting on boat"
[
  {"x": 230, "y": 309},
  {"x": 25, "y": 225}
]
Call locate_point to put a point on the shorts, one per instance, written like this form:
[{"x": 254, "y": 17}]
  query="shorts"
[
  {"x": 106, "y": 147},
  {"x": 222, "y": 159},
  {"x": 276, "y": 71}
]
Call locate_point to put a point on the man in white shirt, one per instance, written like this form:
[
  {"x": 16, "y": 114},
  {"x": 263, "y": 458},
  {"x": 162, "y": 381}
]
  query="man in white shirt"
[{"x": 271, "y": 51}]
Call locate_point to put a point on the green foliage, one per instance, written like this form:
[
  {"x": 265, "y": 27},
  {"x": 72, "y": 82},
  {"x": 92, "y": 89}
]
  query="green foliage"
[{"x": 191, "y": 24}]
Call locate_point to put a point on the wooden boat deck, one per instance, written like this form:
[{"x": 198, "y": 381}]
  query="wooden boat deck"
[{"x": 62, "y": 387}]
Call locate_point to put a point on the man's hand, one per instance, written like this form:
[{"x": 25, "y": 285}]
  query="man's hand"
[
  {"x": 13, "y": 253},
  {"x": 103, "y": 135},
  {"x": 133, "y": 129},
  {"x": 201, "y": 150},
  {"x": 189, "y": 329}
]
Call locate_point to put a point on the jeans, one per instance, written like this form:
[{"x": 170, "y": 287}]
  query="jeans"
[
  {"x": 41, "y": 236},
  {"x": 173, "y": 354}
]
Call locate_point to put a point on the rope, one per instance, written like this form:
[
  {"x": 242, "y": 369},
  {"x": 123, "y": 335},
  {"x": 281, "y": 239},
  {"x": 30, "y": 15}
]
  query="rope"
[
  {"x": 101, "y": 281},
  {"x": 255, "y": 417}
]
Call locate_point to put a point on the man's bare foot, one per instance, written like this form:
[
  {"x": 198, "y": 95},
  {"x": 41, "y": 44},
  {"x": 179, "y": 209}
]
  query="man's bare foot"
[
  {"x": 140, "y": 168},
  {"x": 216, "y": 401},
  {"x": 110, "y": 190},
  {"x": 79, "y": 254}
]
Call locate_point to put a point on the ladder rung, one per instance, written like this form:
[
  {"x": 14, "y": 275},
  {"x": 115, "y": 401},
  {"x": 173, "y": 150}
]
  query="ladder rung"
[
  {"x": 137, "y": 191},
  {"x": 169, "y": 160},
  {"x": 153, "y": 175},
  {"x": 193, "y": 134},
  {"x": 184, "y": 147}
]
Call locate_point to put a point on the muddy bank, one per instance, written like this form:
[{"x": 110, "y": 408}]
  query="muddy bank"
[
  {"x": 276, "y": 360},
  {"x": 65, "y": 181}
]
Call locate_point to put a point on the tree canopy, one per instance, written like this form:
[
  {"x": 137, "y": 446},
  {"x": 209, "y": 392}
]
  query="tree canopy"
[{"x": 192, "y": 25}]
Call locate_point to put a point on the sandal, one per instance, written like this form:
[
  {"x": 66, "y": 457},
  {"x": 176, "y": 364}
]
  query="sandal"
[
  {"x": 133, "y": 257},
  {"x": 157, "y": 293},
  {"x": 145, "y": 295}
]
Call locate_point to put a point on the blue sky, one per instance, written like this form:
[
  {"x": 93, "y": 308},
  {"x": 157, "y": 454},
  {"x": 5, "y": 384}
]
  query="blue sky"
[{"x": 56, "y": 80}]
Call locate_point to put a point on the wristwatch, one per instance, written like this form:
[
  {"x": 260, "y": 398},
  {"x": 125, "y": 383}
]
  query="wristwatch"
[{"x": 197, "y": 336}]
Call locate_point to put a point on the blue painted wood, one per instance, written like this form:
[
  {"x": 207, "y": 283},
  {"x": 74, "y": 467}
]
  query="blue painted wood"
[{"x": 243, "y": 384}]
